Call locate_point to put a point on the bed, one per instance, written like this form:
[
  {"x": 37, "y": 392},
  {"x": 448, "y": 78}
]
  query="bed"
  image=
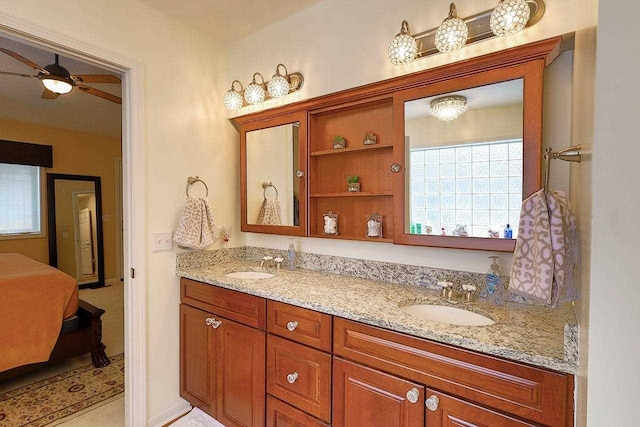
[{"x": 42, "y": 319}]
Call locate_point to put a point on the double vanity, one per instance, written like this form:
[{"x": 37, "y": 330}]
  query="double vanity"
[{"x": 311, "y": 348}]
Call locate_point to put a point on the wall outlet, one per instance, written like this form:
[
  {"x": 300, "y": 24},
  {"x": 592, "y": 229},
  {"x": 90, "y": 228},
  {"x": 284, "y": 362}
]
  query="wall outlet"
[{"x": 162, "y": 241}]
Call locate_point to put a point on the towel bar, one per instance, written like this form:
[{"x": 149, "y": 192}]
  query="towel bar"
[
  {"x": 192, "y": 180},
  {"x": 568, "y": 154}
]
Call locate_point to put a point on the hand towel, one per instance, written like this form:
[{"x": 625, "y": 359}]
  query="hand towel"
[
  {"x": 546, "y": 250},
  {"x": 270, "y": 213},
  {"x": 196, "y": 229}
]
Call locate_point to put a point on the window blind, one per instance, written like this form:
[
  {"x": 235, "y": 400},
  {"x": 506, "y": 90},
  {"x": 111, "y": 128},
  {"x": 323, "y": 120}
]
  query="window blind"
[{"x": 19, "y": 199}]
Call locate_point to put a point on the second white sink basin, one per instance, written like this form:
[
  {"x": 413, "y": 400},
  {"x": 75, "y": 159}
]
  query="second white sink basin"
[
  {"x": 249, "y": 275},
  {"x": 449, "y": 315}
]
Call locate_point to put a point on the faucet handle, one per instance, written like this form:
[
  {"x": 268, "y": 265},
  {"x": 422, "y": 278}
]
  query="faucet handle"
[{"x": 278, "y": 261}]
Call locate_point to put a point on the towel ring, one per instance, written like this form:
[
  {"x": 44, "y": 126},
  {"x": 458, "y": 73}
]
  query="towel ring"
[
  {"x": 192, "y": 180},
  {"x": 266, "y": 185}
]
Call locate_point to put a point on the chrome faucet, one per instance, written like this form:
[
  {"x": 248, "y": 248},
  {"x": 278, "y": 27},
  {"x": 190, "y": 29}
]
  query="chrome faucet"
[{"x": 266, "y": 261}]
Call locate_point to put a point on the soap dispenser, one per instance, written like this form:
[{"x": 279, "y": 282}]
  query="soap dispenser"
[{"x": 494, "y": 288}]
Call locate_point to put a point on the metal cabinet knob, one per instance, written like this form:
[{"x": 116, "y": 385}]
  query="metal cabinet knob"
[
  {"x": 292, "y": 326},
  {"x": 395, "y": 168},
  {"x": 299, "y": 173},
  {"x": 413, "y": 395},
  {"x": 209, "y": 320},
  {"x": 216, "y": 323},
  {"x": 432, "y": 403},
  {"x": 292, "y": 377}
]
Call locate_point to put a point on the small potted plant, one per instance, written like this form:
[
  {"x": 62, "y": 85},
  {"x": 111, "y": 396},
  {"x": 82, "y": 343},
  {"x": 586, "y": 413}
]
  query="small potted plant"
[
  {"x": 352, "y": 184},
  {"x": 339, "y": 142},
  {"x": 370, "y": 138}
]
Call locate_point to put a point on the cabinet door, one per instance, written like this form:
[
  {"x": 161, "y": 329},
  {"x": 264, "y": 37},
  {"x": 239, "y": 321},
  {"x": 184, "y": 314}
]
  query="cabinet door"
[
  {"x": 238, "y": 355},
  {"x": 195, "y": 368},
  {"x": 279, "y": 414},
  {"x": 447, "y": 411},
  {"x": 366, "y": 397}
]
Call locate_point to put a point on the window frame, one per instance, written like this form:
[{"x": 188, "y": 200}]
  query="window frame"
[{"x": 43, "y": 212}]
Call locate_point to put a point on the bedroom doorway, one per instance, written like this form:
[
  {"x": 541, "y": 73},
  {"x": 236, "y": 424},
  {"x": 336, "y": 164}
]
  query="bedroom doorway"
[{"x": 132, "y": 216}]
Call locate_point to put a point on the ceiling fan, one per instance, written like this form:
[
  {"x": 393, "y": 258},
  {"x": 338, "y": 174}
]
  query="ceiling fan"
[{"x": 57, "y": 80}]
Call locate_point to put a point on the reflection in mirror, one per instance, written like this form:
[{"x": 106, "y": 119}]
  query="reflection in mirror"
[
  {"x": 465, "y": 173},
  {"x": 77, "y": 232},
  {"x": 273, "y": 191}
]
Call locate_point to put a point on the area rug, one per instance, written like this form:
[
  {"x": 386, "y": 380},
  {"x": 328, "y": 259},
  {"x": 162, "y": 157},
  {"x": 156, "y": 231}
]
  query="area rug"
[{"x": 62, "y": 396}]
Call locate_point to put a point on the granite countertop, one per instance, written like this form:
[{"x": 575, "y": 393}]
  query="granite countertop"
[{"x": 531, "y": 334}]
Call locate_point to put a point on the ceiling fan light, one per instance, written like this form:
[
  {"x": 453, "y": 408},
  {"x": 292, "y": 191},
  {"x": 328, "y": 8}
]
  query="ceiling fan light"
[
  {"x": 509, "y": 17},
  {"x": 403, "y": 48},
  {"x": 255, "y": 93},
  {"x": 57, "y": 85},
  {"x": 279, "y": 85},
  {"x": 453, "y": 33},
  {"x": 448, "y": 108}
]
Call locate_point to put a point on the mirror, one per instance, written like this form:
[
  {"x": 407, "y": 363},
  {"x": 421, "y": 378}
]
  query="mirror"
[
  {"x": 464, "y": 174},
  {"x": 273, "y": 164},
  {"x": 75, "y": 227}
]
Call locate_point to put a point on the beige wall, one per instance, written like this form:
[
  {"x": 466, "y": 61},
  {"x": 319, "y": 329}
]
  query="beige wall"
[{"x": 75, "y": 153}]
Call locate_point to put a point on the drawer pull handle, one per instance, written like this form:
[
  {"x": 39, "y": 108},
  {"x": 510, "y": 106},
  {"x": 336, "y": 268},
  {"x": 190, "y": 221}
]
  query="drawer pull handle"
[
  {"x": 413, "y": 395},
  {"x": 432, "y": 403},
  {"x": 292, "y": 326},
  {"x": 292, "y": 378}
]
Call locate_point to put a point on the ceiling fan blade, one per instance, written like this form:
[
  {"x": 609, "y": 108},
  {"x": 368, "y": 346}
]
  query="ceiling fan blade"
[
  {"x": 96, "y": 78},
  {"x": 24, "y": 60},
  {"x": 47, "y": 94},
  {"x": 99, "y": 93},
  {"x": 16, "y": 74}
]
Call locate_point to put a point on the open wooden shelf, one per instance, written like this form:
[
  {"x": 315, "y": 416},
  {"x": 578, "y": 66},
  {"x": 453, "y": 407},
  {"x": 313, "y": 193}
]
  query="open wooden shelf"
[
  {"x": 347, "y": 237},
  {"x": 355, "y": 194},
  {"x": 349, "y": 149}
]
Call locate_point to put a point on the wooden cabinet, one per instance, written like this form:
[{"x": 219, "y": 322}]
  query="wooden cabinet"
[
  {"x": 299, "y": 324},
  {"x": 367, "y": 397},
  {"x": 222, "y": 362},
  {"x": 279, "y": 414}
]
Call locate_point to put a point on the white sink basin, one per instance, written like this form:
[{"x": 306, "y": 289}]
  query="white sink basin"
[
  {"x": 444, "y": 314},
  {"x": 249, "y": 275}
]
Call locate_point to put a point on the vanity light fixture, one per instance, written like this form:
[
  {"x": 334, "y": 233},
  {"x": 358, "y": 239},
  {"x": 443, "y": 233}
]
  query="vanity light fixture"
[
  {"x": 453, "y": 33},
  {"x": 448, "y": 108},
  {"x": 509, "y": 17},
  {"x": 506, "y": 19},
  {"x": 403, "y": 47},
  {"x": 256, "y": 92},
  {"x": 233, "y": 99}
]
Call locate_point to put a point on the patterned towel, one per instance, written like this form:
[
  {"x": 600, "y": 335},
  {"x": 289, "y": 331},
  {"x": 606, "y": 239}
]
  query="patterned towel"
[
  {"x": 196, "y": 229},
  {"x": 270, "y": 213},
  {"x": 546, "y": 250}
]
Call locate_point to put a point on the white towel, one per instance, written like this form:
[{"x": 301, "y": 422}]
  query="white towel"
[
  {"x": 546, "y": 250},
  {"x": 196, "y": 229},
  {"x": 270, "y": 213},
  {"x": 197, "y": 418}
]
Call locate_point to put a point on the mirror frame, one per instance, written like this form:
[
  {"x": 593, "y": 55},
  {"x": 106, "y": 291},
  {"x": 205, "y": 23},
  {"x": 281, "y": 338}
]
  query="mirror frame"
[
  {"x": 51, "y": 222},
  {"x": 292, "y": 230},
  {"x": 532, "y": 74}
]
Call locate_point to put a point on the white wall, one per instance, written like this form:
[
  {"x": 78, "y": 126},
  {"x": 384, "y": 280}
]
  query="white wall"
[
  {"x": 338, "y": 47},
  {"x": 186, "y": 133},
  {"x": 614, "y": 313}
]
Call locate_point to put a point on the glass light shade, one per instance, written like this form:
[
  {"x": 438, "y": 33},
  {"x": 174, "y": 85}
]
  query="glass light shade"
[
  {"x": 509, "y": 17},
  {"x": 403, "y": 48},
  {"x": 278, "y": 86},
  {"x": 452, "y": 34},
  {"x": 57, "y": 86},
  {"x": 448, "y": 108},
  {"x": 232, "y": 100}
]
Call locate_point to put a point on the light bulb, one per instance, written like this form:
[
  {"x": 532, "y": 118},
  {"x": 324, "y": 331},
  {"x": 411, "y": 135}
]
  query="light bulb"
[
  {"x": 509, "y": 17},
  {"x": 57, "y": 86},
  {"x": 233, "y": 99},
  {"x": 453, "y": 33},
  {"x": 403, "y": 47},
  {"x": 278, "y": 85},
  {"x": 254, "y": 93}
]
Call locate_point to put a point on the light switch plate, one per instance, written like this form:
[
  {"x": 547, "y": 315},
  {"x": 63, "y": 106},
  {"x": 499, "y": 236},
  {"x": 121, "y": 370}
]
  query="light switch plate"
[{"x": 162, "y": 241}]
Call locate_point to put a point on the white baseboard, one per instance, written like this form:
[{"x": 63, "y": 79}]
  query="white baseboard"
[{"x": 170, "y": 414}]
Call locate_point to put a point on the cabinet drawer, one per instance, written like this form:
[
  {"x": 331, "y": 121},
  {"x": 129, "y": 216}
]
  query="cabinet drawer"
[
  {"x": 243, "y": 308},
  {"x": 279, "y": 414},
  {"x": 300, "y": 376},
  {"x": 299, "y": 324},
  {"x": 524, "y": 391}
]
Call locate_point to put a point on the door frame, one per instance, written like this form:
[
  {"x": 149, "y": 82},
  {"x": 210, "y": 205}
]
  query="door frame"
[{"x": 133, "y": 154}]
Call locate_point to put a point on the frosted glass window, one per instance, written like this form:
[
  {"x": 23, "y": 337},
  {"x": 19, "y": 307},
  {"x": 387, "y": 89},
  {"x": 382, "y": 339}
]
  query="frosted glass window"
[
  {"x": 19, "y": 199},
  {"x": 475, "y": 185}
]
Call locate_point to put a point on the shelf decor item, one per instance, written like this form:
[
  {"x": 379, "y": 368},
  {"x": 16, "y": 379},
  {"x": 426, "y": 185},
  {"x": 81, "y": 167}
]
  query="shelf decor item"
[
  {"x": 339, "y": 142},
  {"x": 353, "y": 186},
  {"x": 370, "y": 138},
  {"x": 374, "y": 225},
  {"x": 460, "y": 230},
  {"x": 330, "y": 224}
]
